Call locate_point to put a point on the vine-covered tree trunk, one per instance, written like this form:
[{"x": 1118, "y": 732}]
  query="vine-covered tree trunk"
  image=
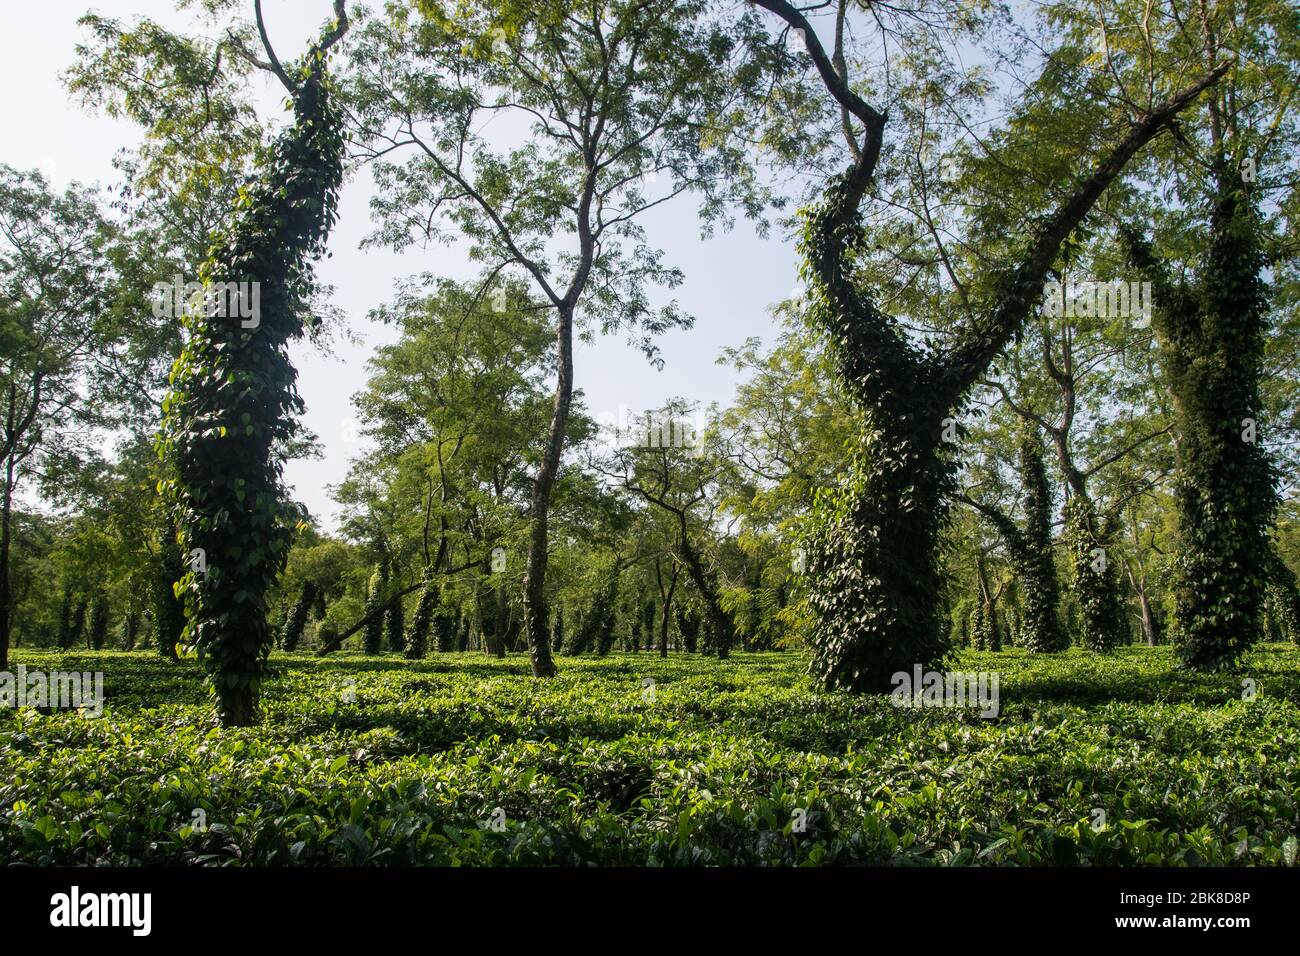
[
  {"x": 535, "y": 616},
  {"x": 234, "y": 403},
  {"x": 993, "y": 629},
  {"x": 1212, "y": 348},
  {"x": 296, "y": 622},
  {"x": 64, "y": 636},
  {"x": 688, "y": 626},
  {"x": 492, "y": 619},
  {"x": 721, "y": 630},
  {"x": 1283, "y": 597},
  {"x": 1030, "y": 549},
  {"x": 417, "y": 634},
  {"x": 445, "y": 625},
  {"x": 603, "y": 617},
  {"x": 1040, "y": 593},
  {"x": 376, "y": 609},
  {"x": 168, "y": 609},
  {"x": 6, "y": 594},
  {"x": 557, "y": 635},
  {"x": 1096, "y": 585},
  {"x": 79, "y": 624},
  {"x": 979, "y": 625}
]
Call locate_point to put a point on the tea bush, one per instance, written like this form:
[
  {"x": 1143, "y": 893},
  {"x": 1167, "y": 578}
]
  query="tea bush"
[{"x": 460, "y": 759}]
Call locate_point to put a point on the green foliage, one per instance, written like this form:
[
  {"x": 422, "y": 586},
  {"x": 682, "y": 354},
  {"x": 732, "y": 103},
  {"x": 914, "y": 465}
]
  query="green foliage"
[
  {"x": 603, "y": 615},
  {"x": 649, "y": 611},
  {"x": 557, "y": 635},
  {"x": 688, "y": 626},
  {"x": 959, "y": 633},
  {"x": 395, "y": 626},
  {"x": 77, "y": 627},
  {"x": 872, "y": 566},
  {"x": 65, "y": 620},
  {"x": 596, "y": 628},
  {"x": 408, "y": 768},
  {"x": 130, "y": 630}
]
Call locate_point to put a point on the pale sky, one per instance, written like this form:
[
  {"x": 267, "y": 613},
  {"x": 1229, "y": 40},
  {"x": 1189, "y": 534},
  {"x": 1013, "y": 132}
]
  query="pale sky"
[{"x": 731, "y": 279}]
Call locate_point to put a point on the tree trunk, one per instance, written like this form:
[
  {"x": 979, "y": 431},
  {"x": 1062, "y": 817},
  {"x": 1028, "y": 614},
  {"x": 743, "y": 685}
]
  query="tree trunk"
[
  {"x": 535, "y": 618},
  {"x": 875, "y": 557},
  {"x": 703, "y": 579},
  {"x": 6, "y": 595},
  {"x": 1139, "y": 585},
  {"x": 502, "y": 620},
  {"x": 664, "y": 618},
  {"x": 666, "y": 597}
]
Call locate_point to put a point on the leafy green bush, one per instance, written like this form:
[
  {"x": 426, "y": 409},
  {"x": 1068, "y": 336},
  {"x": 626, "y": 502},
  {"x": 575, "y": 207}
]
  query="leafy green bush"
[{"x": 382, "y": 761}]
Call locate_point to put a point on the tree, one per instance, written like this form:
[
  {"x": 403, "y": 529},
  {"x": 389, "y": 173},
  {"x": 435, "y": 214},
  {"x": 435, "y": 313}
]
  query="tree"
[
  {"x": 446, "y": 623},
  {"x": 615, "y": 93},
  {"x": 667, "y": 463},
  {"x": 1212, "y": 338},
  {"x": 1283, "y": 597},
  {"x": 55, "y": 264},
  {"x": 1216, "y": 255},
  {"x": 688, "y": 626},
  {"x": 1030, "y": 549},
  {"x": 233, "y": 405},
  {"x": 417, "y": 634},
  {"x": 557, "y": 635},
  {"x": 666, "y": 588},
  {"x": 872, "y": 544},
  {"x": 395, "y": 626}
]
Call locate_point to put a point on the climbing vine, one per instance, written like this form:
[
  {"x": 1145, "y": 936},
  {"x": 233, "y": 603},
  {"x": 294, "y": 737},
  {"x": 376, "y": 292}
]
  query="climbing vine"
[{"x": 872, "y": 554}]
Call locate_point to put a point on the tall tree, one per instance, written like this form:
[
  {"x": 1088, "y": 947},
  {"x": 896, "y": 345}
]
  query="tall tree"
[
  {"x": 55, "y": 268},
  {"x": 668, "y": 464},
  {"x": 616, "y": 94},
  {"x": 234, "y": 405},
  {"x": 1216, "y": 257},
  {"x": 1030, "y": 549}
]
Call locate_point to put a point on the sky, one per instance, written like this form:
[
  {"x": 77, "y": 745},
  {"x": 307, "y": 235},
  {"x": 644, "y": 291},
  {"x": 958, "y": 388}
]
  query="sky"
[{"x": 731, "y": 280}]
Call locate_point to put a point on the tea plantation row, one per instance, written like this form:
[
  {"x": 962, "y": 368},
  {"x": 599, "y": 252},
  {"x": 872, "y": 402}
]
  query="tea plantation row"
[{"x": 460, "y": 759}]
